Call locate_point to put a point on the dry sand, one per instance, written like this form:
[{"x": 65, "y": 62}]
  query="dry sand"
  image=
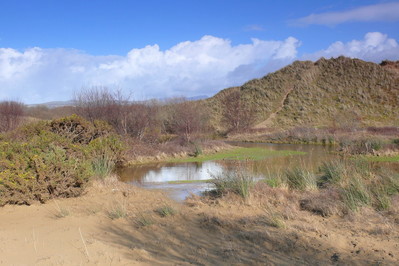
[{"x": 80, "y": 231}]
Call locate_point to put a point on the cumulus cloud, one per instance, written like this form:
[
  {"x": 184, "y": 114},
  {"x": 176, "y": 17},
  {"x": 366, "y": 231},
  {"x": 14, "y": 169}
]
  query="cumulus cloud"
[
  {"x": 378, "y": 12},
  {"x": 189, "y": 68},
  {"x": 374, "y": 47}
]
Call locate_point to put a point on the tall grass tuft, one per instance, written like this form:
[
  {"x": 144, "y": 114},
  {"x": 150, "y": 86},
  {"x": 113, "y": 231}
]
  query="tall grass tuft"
[
  {"x": 165, "y": 211},
  {"x": 103, "y": 166},
  {"x": 356, "y": 194},
  {"x": 359, "y": 183},
  {"x": 238, "y": 181},
  {"x": 332, "y": 172},
  {"x": 300, "y": 179}
]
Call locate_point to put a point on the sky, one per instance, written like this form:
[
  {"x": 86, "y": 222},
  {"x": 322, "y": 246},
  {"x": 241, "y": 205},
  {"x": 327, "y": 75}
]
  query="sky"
[{"x": 50, "y": 49}]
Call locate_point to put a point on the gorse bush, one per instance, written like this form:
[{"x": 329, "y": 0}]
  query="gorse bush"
[{"x": 53, "y": 159}]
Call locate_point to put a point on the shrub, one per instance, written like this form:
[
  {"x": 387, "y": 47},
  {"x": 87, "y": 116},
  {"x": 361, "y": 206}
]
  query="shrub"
[
  {"x": 363, "y": 146},
  {"x": 52, "y": 159}
]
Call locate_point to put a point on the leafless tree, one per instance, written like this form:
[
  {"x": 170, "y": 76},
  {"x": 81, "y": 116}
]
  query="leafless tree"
[
  {"x": 189, "y": 118},
  {"x": 143, "y": 121},
  {"x": 11, "y": 113},
  {"x": 99, "y": 103},
  {"x": 237, "y": 114}
]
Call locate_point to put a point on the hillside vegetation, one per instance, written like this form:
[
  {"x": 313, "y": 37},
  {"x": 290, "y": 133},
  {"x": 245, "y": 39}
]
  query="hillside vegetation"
[{"x": 322, "y": 93}]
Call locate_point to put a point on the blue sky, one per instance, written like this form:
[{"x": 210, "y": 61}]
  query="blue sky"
[{"x": 50, "y": 49}]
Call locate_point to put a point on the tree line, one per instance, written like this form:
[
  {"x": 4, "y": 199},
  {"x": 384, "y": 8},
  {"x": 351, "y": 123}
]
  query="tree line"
[{"x": 145, "y": 120}]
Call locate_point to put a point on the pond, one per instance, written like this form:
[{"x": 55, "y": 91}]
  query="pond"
[{"x": 179, "y": 180}]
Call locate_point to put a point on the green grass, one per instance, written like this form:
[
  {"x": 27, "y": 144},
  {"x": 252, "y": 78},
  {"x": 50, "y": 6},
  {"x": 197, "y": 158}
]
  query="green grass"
[
  {"x": 300, "y": 179},
  {"x": 238, "y": 181},
  {"x": 382, "y": 158},
  {"x": 239, "y": 154}
]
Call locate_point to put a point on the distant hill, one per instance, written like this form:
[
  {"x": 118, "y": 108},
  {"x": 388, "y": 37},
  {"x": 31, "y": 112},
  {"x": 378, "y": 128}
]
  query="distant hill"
[
  {"x": 337, "y": 90},
  {"x": 54, "y": 104}
]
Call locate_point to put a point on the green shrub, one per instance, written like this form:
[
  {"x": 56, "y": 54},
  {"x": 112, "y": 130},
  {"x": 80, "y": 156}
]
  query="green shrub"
[{"x": 52, "y": 159}]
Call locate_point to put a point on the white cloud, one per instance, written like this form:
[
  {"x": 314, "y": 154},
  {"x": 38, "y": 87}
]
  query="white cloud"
[
  {"x": 378, "y": 12},
  {"x": 189, "y": 68},
  {"x": 201, "y": 67},
  {"x": 374, "y": 47}
]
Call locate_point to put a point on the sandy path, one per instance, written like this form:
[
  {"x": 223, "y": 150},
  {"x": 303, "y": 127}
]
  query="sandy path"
[{"x": 222, "y": 233}]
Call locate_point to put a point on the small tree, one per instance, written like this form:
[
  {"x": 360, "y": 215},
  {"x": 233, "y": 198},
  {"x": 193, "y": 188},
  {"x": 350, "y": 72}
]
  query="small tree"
[
  {"x": 99, "y": 103},
  {"x": 143, "y": 120},
  {"x": 11, "y": 113},
  {"x": 237, "y": 115},
  {"x": 188, "y": 119}
]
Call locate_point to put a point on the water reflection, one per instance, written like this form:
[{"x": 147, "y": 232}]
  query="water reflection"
[
  {"x": 157, "y": 175},
  {"x": 166, "y": 172}
]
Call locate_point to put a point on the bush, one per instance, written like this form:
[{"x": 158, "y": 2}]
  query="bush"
[
  {"x": 52, "y": 159},
  {"x": 364, "y": 146}
]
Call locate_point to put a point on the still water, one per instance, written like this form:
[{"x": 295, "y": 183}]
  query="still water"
[{"x": 162, "y": 175}]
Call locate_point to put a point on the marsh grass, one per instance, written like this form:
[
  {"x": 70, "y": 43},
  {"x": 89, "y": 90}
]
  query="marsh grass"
[
  {"x": 300, "y": 179},
  {"x": 239, "y": 181},
  {"x": 359, "y": 183},
  {"x": 356, "y": 194},
  {"x": 103, "y": 166},
  {"x": 275, "y": 219}
]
